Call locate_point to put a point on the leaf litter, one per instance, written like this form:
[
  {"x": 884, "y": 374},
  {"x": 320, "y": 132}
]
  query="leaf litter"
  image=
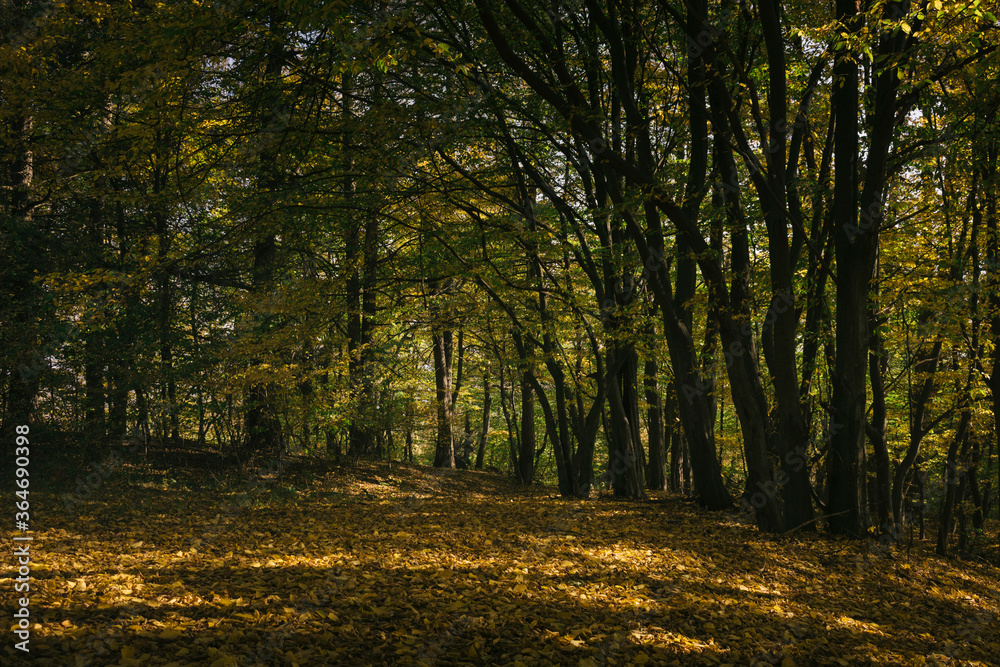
[{"x": 406, "y": 565}]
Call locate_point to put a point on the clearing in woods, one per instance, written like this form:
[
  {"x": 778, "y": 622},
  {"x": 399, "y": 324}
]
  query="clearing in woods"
[{"x": 409, "y": 565}]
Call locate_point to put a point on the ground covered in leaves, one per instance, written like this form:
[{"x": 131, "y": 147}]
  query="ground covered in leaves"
[{"x": 406, "y": 565}]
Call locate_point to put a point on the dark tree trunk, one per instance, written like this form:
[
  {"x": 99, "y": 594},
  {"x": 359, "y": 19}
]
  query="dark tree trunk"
[
  {"x": 586, "y": 425},
  {"x": 972, "y": 478},
  {"x": 359, "y": 260},
  {"x": 262, "y": 428},
  {"x": 556, "y": 430},
  {"x": 262, "y": 434},
  {"x": 925, "y": 363},
  {"x": 484, "y": 430},
  {"x": 882, "y": 501},
  {"x": 847, "y": 453},
  {"x": 444, "y": 451},
  {"x": 333, "y": 448},
  {"x": 656, "y": 477},
  {"x": 362, "y": 294},
  {"x": 168, "y": 386},
  {"x": 118, "y": 412},
  {"x": 526, "y": 455},
  {"x": 674, "y": 433},
  {"x": 625, "y": 461},
  {"x": 857, "y": 222},
  {"x": 739, "y": 347},
  {"x": 121, "y": 369},
  {"x": 990, "y": 184},
  {"x": 694, "y": 391},
  {"x": 854, "y": 271},
  {"x": 557, "y": 425},
  {"x": 93, "y": 377},
  {"x": 954, "y": 478},
  {"x": 510, "y": 418},
  {"x": 23, "y": 363}
]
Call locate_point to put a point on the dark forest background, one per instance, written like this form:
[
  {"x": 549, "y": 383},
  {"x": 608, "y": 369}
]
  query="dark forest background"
[{"x": 742, "y": 250}]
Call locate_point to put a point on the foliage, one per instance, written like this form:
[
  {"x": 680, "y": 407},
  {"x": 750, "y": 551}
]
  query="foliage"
[{"x": 409, "y": 565}]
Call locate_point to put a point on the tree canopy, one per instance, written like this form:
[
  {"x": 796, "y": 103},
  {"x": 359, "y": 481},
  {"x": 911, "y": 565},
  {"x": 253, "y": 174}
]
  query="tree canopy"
[{"x": 747, "y": 251}]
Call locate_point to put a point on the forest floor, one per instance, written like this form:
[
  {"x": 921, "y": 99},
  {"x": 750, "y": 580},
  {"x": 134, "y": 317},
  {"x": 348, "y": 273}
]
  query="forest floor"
[{"x": 406, "y": 565}]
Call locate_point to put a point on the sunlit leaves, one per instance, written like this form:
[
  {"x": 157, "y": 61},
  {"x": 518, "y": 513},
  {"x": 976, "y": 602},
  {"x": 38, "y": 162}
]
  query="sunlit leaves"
[{"x": 407, "y": 566}]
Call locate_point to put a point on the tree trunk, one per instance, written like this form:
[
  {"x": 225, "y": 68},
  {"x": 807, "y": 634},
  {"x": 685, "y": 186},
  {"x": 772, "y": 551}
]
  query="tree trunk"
[
  {"x": 877, "y": 364},
  {"x": 740, "y": 350},
  {"x": 362, "y": 294},
  {"x": 262, "y": 427},
  {"x": 444, "y": 452},
  {"x": 168, "y": 386},
  {"x": 846, "y": 456},
  {"x": 359, "y": 262},
  {"x": 586, "y": 425},
  {"x": 954, "y": 478},
  {"x": 990, "y": 184},
  {"x": 625, "y": 463},
  {"x": 484, "y": 431},
  {"x": 93, "y": 377},
  {"x": 856, "y": 244},
  {"x": 23, "y": 364},
  {"x": 263, "y": 435},
  {"x": 656, "y": 477},
  {"x": 673, "y": 435},
  {"x": 686, "y": 464},
  {"x": 526, "y": 455},
  {"x": 507, "y": 406}
]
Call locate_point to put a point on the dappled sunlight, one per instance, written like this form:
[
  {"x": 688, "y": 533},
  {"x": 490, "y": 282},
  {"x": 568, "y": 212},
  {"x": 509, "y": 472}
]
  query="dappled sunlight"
[{"x": 346, "y": 571}]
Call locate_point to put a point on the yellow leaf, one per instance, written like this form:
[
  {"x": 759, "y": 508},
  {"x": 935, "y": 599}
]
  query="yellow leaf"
[{"x": 170, "y": 633}]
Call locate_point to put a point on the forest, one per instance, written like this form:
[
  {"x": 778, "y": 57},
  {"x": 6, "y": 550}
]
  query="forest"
[{"x": 726, "y": 267}]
